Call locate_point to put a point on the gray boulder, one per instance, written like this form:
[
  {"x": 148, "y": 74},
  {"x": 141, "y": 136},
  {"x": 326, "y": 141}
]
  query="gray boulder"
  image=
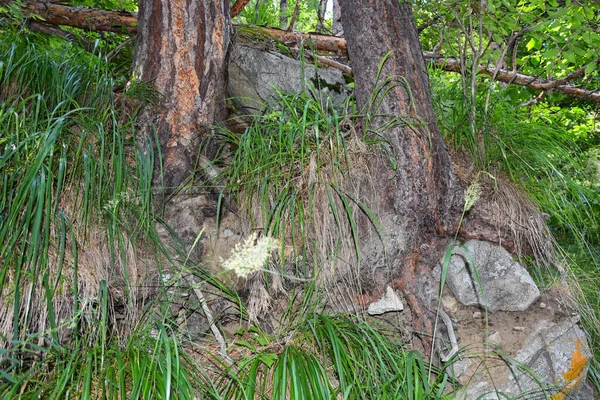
[
  {"x": 255, "y": 74},
  {"x": 552, "y": 363},
  {"x": 507, "y": 286}
]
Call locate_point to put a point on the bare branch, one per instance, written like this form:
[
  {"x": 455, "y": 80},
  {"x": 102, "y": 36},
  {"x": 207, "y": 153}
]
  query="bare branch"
[
  {"x": 122, "y": 21},
  {"x": 238, "y": 7}
]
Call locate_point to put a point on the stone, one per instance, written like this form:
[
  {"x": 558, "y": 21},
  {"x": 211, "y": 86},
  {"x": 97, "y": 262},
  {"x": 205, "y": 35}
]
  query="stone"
[
  {"x": 552, "y": 363},
  {"x": 256, "y": 74},
  {"x": 507, "y": 286},
  {"x": 519, "y": 328},
  {"x": 458, "y": 367},
  {"x": 494, "y": 339},
  {"x": 543, "y": 305},
  {"x": 558, "y": 353},
  {"x": 450, "y": 304},
  {"x": 390, "y": 301},
  {"x": 477, "y": 315}
]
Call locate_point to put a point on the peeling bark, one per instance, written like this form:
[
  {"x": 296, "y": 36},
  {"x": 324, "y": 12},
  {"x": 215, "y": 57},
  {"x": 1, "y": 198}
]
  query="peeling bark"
[{"x": 182, "y": 49}]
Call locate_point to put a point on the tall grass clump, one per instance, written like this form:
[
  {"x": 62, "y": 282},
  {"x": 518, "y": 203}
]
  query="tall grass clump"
[
  {"x": 80, "y": 262},
  {"x": 288, "y": 171},
  {"x": 332, "y": 356}
]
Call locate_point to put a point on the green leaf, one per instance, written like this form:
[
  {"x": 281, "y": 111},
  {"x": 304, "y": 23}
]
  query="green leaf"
[
  {"x": 531, "y": 44},
  {"x": 263, "y": 341},
  {"x": 246, "y": 344},
  {"x": 590, "y": 67},
  {"x": 550, "y": 54},
  {"x": 268, "y": 359}
]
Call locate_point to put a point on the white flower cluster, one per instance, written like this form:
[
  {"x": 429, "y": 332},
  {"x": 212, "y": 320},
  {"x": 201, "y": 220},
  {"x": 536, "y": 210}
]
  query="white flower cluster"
[{"x": 250, "y": 256}]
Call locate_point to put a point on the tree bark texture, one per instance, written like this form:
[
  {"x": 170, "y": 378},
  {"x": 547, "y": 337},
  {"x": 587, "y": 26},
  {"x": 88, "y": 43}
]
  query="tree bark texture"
[
  {"x": 238, "y": 7},
  {"x": 419, "y": 200},
  {"x": 181, "y": 50},
  {"x": 337, "y": 28}
]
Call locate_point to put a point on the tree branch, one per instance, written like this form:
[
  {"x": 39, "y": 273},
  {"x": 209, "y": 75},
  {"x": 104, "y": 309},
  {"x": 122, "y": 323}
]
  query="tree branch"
[
  {"x": 54, "y": 30},
  {"x": 123, "y": 21},
  {"x": 91, "y": 19},
  {"x": 561, "y": 86},
  {"x": 238, "y": 7}
]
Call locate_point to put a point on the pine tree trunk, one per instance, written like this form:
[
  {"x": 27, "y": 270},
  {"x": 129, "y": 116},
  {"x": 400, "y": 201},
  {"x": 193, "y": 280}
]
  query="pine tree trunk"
[
  {"x": 181, "y": 51},
  {"x": 419, "y": 201}
]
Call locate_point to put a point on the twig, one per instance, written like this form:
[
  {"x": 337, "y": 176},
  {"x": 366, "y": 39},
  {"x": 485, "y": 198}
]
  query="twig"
[
  {"x": 451, "y": 335},
  {"x": 209, "y": 316},
  {"x": 294, "y": 16}
]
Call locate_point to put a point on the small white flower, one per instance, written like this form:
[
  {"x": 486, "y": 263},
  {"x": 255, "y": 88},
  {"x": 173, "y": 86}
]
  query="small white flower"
[{"x": 250, "y": 256}]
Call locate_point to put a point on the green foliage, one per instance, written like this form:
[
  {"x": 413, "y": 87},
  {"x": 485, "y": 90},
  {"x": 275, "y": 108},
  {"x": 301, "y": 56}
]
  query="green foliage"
[
  {"x": 335, "y": 356},
  {"x": 268, "y": 13},
  {"x": 76, "y": 180},
  {"x": 551, "y": 153},
  {"x": 291, "y": 157},
  {"x": 550, "y": 40}
]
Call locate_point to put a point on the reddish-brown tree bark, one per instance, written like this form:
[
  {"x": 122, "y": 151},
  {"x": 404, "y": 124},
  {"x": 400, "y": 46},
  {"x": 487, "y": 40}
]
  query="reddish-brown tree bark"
[
  {"x": 181, "y": 51},
  {"x": 419, "y": 201}
]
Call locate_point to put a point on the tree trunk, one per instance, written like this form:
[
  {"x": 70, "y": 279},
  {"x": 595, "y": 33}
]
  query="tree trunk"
[
  {"x": 181, "y": 51},
  {"x": 337, "y": 28},
  {"x": 321, "y": 15},
  {"x": 418, "y": 202},
  {"x": 283, "y": 14}
]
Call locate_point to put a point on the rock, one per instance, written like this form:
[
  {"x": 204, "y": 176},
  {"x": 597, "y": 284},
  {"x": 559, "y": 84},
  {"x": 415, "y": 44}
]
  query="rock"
[
  {"x": 227, "y": 233},
  {"x": 519, "y": 328},
  {"x": 388, "y": 302},
  {"x": 477, "y": 315},
  {"x": 458, "y": 367},
  {"x": 494, "y": 339},
  {"x": 450, "y": 304},
  {"x": 558, "y": 356},
  {"x": 543, "y": 305},
  {"x": 254, "y": 75},
  {"x": 507, "y": 286},
  {"x": 558, "y": 353}
]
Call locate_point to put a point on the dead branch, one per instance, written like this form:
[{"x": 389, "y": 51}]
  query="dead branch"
[
  {"x": 90, "y": 19},
  {"x": 559, "y": 86},
  {"x": 238, "y": 7},
  {"x": 323, "y": 43},
  {"x": 126, "y": 22}
]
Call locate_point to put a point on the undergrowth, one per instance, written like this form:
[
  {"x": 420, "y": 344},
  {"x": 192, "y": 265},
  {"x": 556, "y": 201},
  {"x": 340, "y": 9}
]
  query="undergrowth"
[
  {"x": 551, "y": 155},
  {"x": 83, "y": 290},
  {"x": 85, "y": 281}
]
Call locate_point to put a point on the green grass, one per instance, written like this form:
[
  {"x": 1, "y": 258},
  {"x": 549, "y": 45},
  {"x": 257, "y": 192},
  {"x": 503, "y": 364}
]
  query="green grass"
[
  {"x": 77, "y": 225},
  {"x": 544, "y": 152},
  {"x": 332, "y": 356},
  {"x": 289, "y": 171}
]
